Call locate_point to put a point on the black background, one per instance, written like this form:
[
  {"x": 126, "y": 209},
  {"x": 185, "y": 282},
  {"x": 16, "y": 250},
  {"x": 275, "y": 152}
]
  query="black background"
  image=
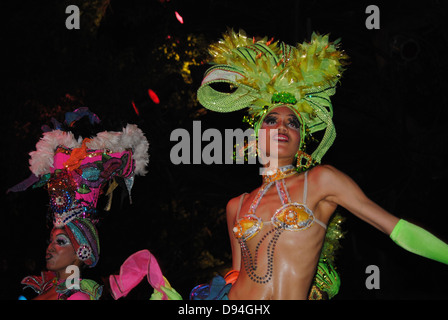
[{"x": 389, "y": 113}]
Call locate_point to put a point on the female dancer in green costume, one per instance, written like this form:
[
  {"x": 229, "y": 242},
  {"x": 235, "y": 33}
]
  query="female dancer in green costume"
[{"x": 278, "y": 230}]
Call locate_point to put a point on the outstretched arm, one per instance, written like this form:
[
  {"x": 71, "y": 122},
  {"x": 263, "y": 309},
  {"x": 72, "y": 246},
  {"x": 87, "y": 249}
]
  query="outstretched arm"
[{"x": 343, "y": 191}]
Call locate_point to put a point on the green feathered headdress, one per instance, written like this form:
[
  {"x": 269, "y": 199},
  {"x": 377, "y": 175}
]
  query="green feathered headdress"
[{"x": 265, "y": 74}]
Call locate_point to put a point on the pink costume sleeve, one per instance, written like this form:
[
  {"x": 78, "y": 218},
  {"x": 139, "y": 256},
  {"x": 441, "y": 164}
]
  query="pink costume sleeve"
[
  {"x": 133, "y": 270},
  {"x": 79, "y": 296}
]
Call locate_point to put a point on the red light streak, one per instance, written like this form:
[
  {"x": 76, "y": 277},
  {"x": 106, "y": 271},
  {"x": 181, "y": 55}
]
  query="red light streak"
[
  {"x": 153, "y": 96},
  {"x": 135, "y": 108},
  {"x": 179, "y": 17}
]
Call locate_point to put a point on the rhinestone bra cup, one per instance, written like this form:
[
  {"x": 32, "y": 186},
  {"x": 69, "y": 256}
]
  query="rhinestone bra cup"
[{"x": 290, "y": 217}]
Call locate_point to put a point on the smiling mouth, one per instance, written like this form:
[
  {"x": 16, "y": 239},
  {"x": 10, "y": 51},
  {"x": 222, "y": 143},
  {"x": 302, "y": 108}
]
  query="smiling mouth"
[
  {"x": 48, "y": 256},
  {"x": 281, "y": 138}
]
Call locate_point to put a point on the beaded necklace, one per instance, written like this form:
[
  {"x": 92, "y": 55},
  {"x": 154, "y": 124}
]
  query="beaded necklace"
[{"x": 251, "y": 262}]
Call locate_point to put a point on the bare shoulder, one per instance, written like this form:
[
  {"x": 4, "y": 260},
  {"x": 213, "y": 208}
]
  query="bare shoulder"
[
  {"x": 232, "y": 205},
  {"x": 320, "y": 176},
  {"x": 232, "y": 210},
  {"x": 324, "y": 171},
  {"x": 337, "y": 187},
  {"x": 324, "y": 175},
  {"x": 331, "y": 181}
]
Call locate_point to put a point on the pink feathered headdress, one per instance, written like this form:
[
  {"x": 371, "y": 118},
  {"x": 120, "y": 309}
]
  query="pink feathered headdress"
[{"x": 76, "y": 171}]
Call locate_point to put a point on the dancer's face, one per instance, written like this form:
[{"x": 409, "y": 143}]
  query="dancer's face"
[
  {"x": 283, "y": 129},
  {"x": 60, "y": 252}
]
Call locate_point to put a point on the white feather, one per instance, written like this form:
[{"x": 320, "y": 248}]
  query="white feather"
[
  {"x": 42, "y": 159},
  {"x": 131, "y": 137}
]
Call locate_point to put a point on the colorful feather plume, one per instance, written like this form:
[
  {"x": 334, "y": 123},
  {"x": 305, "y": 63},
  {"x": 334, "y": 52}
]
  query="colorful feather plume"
[{"x": 265, "y": 73}]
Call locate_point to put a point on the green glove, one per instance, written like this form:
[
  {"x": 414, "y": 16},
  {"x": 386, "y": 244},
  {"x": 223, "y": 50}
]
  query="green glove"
[
  {"x": 419, "y": 241},
  {"x": 171, "y": 293}
]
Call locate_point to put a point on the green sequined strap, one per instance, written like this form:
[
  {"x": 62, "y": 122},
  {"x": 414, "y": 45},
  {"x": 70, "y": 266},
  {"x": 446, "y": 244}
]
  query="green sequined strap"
[
  {"x": 93, "y": 289},
  {"x": 221, "y": 101}
]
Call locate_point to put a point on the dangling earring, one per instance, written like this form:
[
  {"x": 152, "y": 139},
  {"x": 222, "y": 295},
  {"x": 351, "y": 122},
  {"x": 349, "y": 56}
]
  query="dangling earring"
[
  {"x": 247, "y": 151},
  {"x": 304, "y": 161},
  {"x": 252, "y": 149}
]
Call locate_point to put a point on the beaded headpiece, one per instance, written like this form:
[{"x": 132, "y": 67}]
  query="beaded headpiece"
[
  {"x": 76, "y": 172},
  {"x": 265, "y": 74}
]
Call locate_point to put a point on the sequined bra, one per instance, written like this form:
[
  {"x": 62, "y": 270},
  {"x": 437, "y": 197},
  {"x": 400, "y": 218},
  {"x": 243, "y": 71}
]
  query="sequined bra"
[{"x": 291, "y": 216}]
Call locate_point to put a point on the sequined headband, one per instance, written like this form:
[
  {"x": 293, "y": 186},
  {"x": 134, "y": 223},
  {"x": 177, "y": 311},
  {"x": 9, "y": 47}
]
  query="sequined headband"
[{"x": 84, "y": 238}]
